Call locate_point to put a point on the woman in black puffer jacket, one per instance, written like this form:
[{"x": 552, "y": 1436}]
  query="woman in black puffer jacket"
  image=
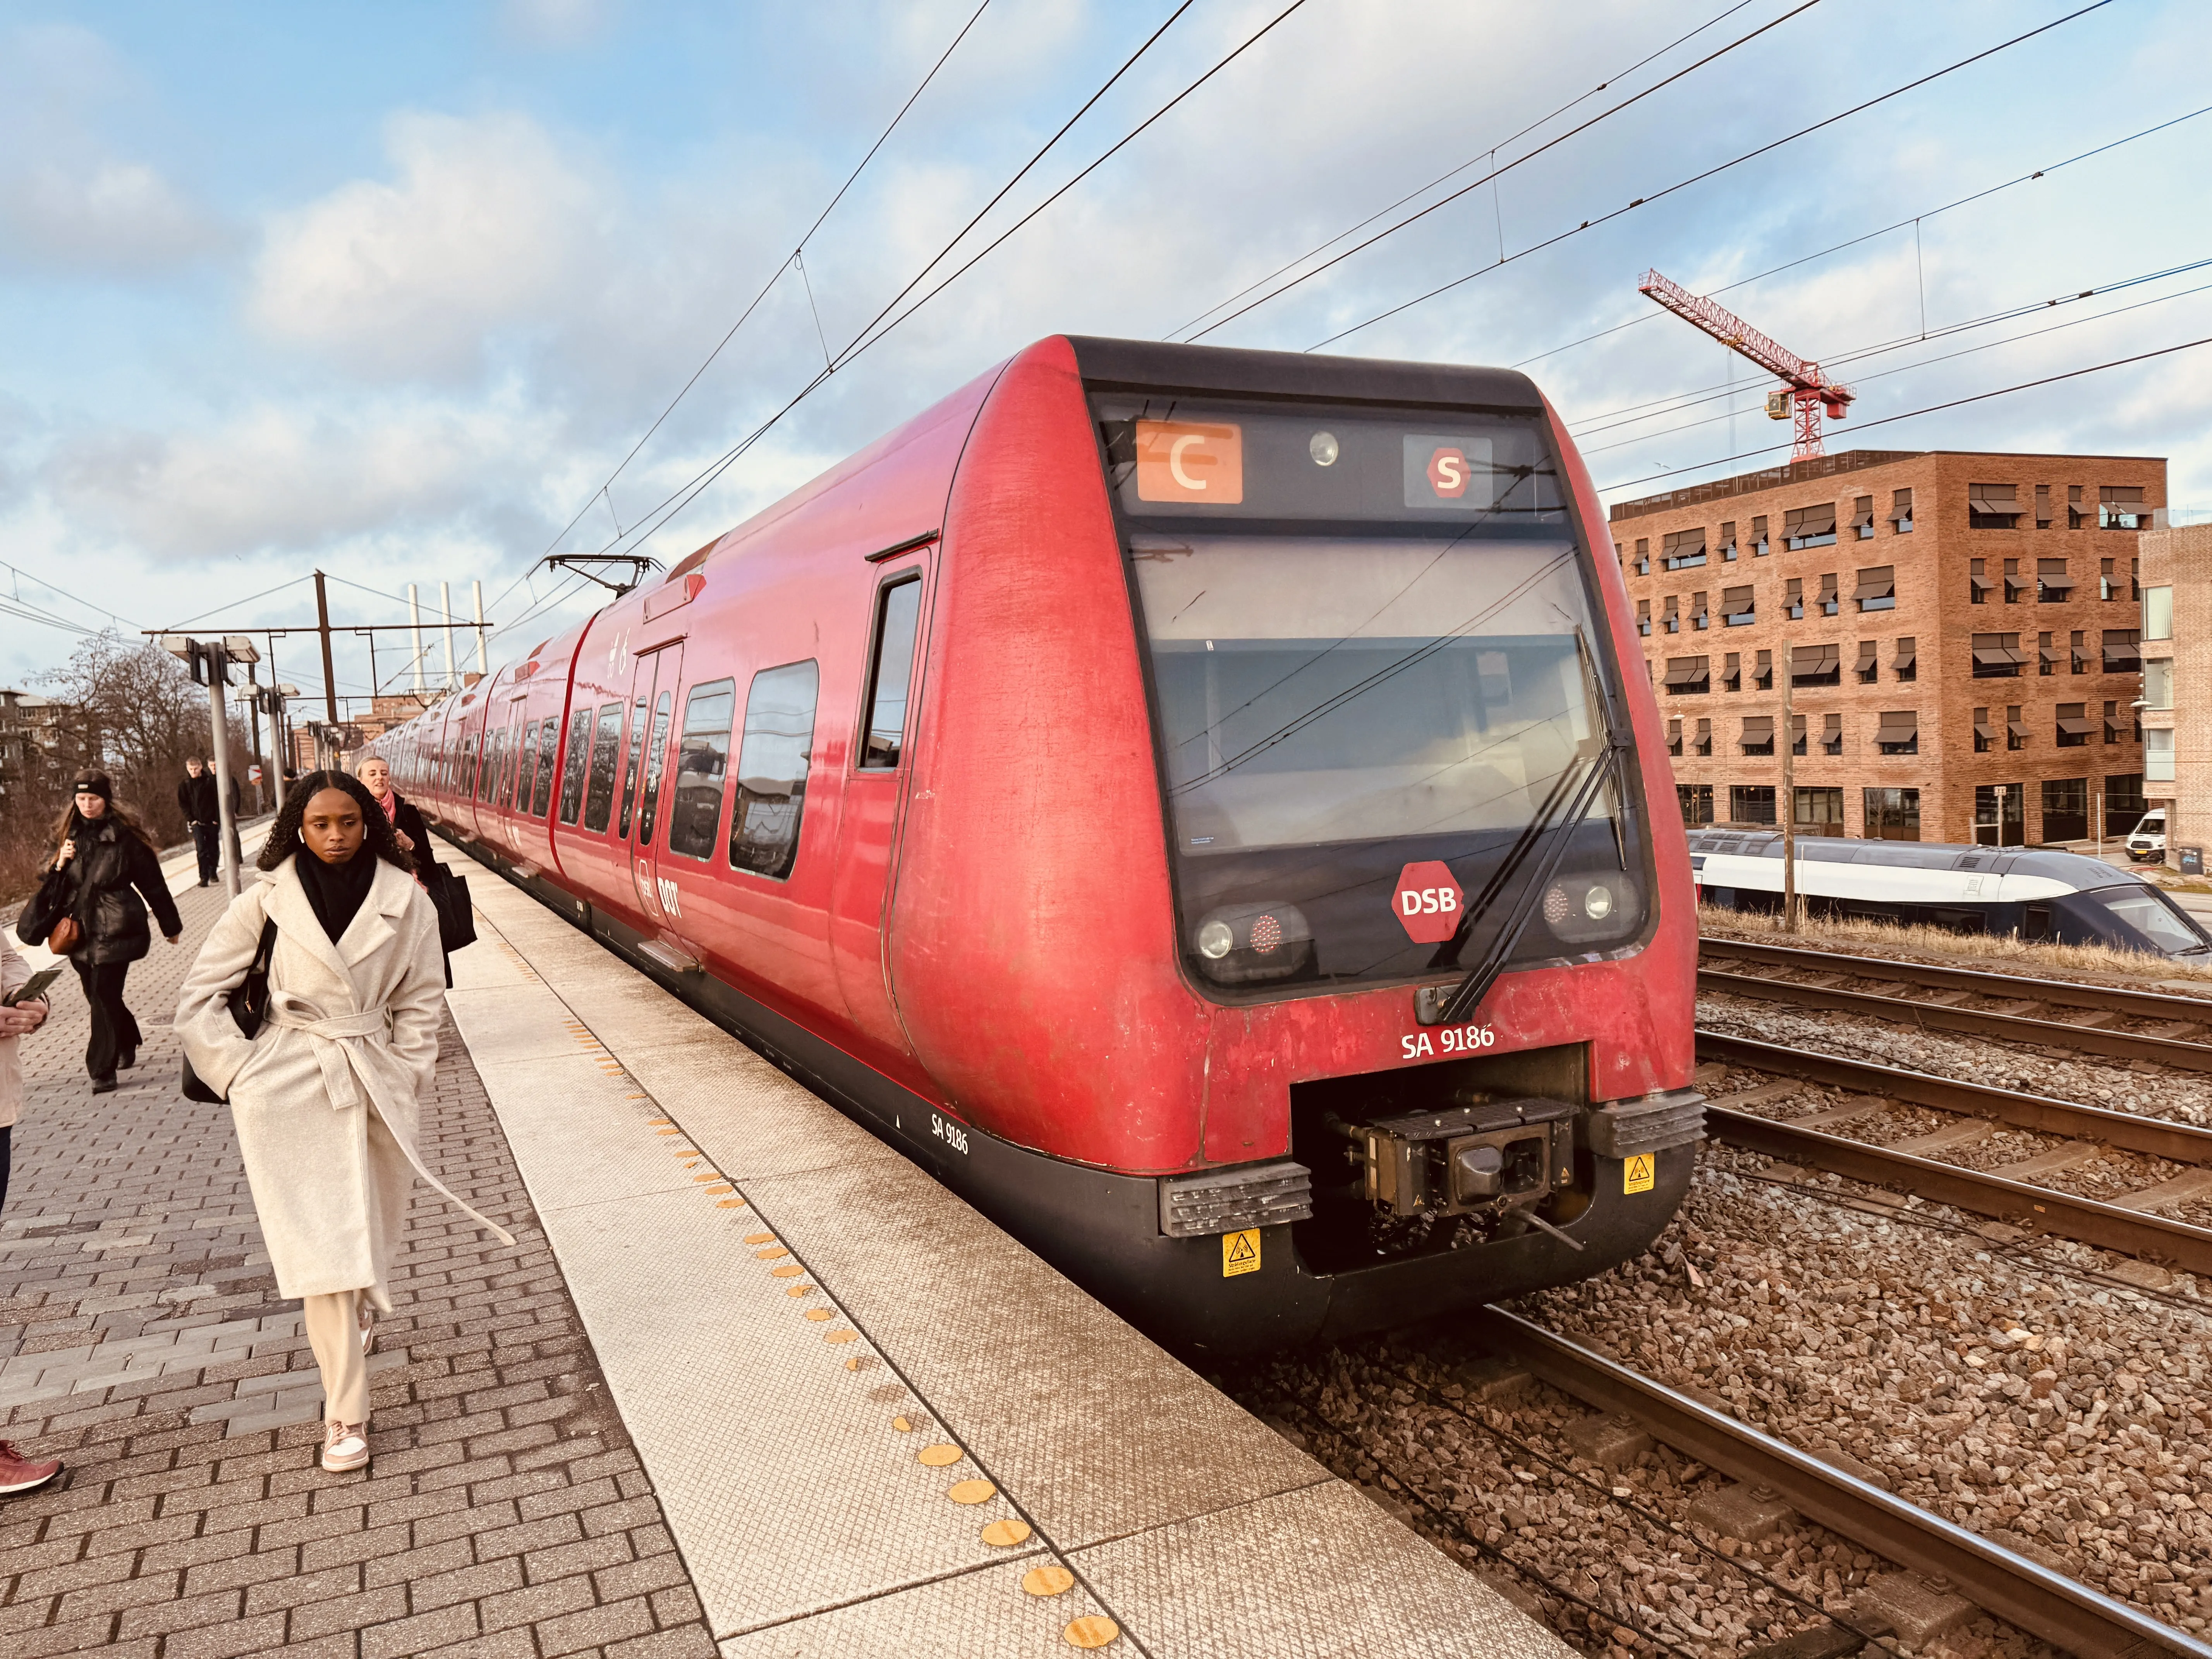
[{"x": 105, "y": 878}]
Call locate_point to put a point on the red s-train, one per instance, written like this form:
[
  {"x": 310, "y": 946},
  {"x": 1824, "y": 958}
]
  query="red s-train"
[{"x": 1200, "y": 803}]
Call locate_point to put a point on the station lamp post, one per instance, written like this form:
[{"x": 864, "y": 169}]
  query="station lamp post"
[{"x": 209, "y": 661}]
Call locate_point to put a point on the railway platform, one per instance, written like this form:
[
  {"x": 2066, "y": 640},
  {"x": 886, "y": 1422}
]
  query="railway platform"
[{"x": 750, "y": 1385}]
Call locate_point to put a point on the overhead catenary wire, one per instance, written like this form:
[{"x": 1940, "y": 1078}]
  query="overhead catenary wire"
[
  {"x": 1548, "y": 144},
  {"x": 1931, "y": 409},
  {"x": 1649, "y": 316},
  {"x": 1700, "y": 176},
  {"x": 1445, "y": 178}
]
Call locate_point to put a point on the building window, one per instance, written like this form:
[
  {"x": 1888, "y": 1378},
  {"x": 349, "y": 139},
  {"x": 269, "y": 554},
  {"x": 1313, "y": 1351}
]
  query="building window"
[
  {"x": 1901, "y": 516},
  {"x": 1869, "y": 664},
  {"x": 1675, "y": 736},
  {"x": 1732, "y": 671},
  {"x": 2074, "y": 726},
  {"x": 2158, "y": 682},
  {"x": 1738, "y": 608},
  {"x": 1643, "y": 556},
  {"x": 1759, "y": 546},
  {"x": 1992, "y": 507},
  {"x": 2122, "y": 655},
  {"x": 1796, "y": 734},
  {"x": 1671, "y": 620},
  {"x": 2077, "y": 515},
  {"x": 1643, "y": 617},
  {"x": 2015, "y": 728},
  {"x": 1898, "y": 734},
  {"x": 1704, "y": 743},
  {"x": 2065, "y": 809},
  {"x": 2157, "y": 613},
  {"x": 1688, "y": 675},
  {"x": 1681, "y": 549},
  {"x": 2120, "y": 507},
  {"x": 1793, "y": 598},
  {"x": 1831, "y": 735},
  {"x": 2115, "y": 726},
  {"x": 2135, "y": 578},
  {"x": 1997, "y": 656},
  {"x": 2000, "y": 815},
  {"x": 2123, "y": 801},
  {"x": 1908, "y": 661},
  {"x": 2108, "y": 586},
  {"x": 1829, "y": 603},
  {"x": 1751, "y": 802},
  {"x": 1810, "y": 526},
  {"x": 1759, "y": 736},
  {"x": 1727, "y": 542},
  {"x": 1762, "y": 673},
  {"x": 1862, "y": 516},
  {"x": 1982, "y": 737},
  {"x": 2046, "y": 655},
  {"x": 1820, "y": 813},
  {"x": 2043, "y": 507},
  {"x": 1978, "y": 592},
  {"x": 1697, "y": 802},
  {"x": 2015, "y": 585},
  {"x": 2079, "y": 652},
  {"x": 1816, "y": 665},
  {"x": 1698, "y": 614},
  {"x": 1877, "y": 588},
  {"x": 2052, "y": 584},
  {"x": 1892, "y": 814},
  {"x": 2158, "y": 755}
]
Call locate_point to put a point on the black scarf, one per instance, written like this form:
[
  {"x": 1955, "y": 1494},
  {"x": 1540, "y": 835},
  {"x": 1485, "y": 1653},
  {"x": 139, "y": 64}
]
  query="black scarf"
[{"x": 336, "y": 891}]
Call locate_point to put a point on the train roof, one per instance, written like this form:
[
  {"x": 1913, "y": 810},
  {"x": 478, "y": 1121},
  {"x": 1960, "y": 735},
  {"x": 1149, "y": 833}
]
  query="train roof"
[
  {"x": 1153, "y": 365},
  {"x": 2080, "y": 873}
]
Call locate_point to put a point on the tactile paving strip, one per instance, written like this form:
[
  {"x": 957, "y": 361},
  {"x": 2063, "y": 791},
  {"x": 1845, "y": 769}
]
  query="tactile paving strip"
[{"x": 967, "y": 1616}]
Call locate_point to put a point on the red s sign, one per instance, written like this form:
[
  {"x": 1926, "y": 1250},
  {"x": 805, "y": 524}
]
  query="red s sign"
[{"x": 1448, "y": 472}]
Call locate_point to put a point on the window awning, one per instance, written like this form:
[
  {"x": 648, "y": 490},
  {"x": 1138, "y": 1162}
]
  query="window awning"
[
  {"x": 1867, "y": 650},
  {"x": 1809, "y": 520},
  {"x": 2114, "y": 726},
  {"x": 1981, "y": 584},
  {"x": 2120, "y": 494},
  {"x": 1903, "y": 722},
  {"x": 2048, "y": 652},
  {"x": 1758, "y": 728},
  {"x": 2059, "y": 584},
  {"x": 1828, "y": 587},
  {"x": 1992, "y": 498},
  {"x": 1877, "y": 582},
  {"x": 1835, "y": 723},
  {"x": 1907, "y": 653},
  {"x": 1675, "y": 730},
  {"x": 2014, "y": 580},
  {"x": 1995, "y": 656},
  {"x": 1901, "y": 504},
  {"x": 1679, "y": 541},
  {"x": 1863, "y": 511},
  {"x": 1736, "y": 602},
  {"x": 2018, "y": 728},
  {"x": 1727, "y": 533},
  {"x": 2077, "y": 728},
  {"x": 1982, "y": 731},
  {"x": 1685, "y": 671},
  {"x": 1814, "y": 658}
]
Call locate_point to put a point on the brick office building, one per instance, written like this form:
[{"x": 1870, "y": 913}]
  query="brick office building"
[
  {"x": 1964, "y": 631},
  {"x": 2177, "y": 584}
]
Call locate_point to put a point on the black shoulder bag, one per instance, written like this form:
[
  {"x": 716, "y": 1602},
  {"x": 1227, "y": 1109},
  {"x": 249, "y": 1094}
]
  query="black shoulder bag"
[{"x": 249, "y": 1007}]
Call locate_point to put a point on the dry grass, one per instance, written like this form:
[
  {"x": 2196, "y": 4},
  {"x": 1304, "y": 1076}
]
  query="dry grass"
[{"x": 2100, "y": 963}]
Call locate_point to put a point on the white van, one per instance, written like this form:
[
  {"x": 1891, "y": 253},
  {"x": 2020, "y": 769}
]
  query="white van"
[{"x": 2147, "y": 840}]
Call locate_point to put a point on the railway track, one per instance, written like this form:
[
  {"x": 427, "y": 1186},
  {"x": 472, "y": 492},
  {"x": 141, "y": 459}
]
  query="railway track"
[
  {"x": 2012, "y": 1194},
  {"x": 2063, "y": 1611},
  {"x": 2122, "y": 1024}
]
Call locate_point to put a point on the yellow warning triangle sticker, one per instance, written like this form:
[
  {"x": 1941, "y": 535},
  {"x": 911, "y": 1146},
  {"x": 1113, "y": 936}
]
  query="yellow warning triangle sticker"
[
  {"x": 1240, "y": 1253},
  {"x": 1637, "y": 1173}
]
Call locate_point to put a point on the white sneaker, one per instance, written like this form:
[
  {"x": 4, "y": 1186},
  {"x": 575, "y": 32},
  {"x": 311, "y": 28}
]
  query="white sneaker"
[{"x": 345, "y": 1446}]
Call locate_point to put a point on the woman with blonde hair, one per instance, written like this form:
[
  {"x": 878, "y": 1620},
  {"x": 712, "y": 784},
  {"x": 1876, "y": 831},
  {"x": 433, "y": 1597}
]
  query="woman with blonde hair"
[{"x": 327, "y": 1095}]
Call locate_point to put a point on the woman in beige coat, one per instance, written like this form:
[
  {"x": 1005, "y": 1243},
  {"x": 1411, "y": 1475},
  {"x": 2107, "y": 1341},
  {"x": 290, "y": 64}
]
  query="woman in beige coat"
[
  {"x": 17, "y": 1472},
  {"x": 327, "y": 1097}
]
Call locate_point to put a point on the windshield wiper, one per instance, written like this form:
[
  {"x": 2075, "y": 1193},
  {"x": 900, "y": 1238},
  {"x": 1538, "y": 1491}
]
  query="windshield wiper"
[{"x": 1567, "y": 804}]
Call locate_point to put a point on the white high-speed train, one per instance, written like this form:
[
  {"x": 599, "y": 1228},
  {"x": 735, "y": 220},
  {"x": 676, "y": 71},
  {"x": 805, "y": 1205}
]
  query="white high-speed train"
[{"x": 2028, "y": 891}]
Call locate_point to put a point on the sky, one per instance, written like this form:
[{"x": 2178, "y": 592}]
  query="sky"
[{"x": 394, "y": 292}]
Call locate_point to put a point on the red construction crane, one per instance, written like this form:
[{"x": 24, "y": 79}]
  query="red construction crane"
[{"x": 1809, "y": 390}]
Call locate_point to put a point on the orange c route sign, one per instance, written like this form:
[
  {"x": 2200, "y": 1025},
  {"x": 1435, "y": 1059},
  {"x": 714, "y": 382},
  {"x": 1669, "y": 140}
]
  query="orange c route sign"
[{"x": 1188, "y": 461}]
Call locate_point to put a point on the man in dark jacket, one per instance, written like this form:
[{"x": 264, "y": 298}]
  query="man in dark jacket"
[{"x": 196, "y": 796}]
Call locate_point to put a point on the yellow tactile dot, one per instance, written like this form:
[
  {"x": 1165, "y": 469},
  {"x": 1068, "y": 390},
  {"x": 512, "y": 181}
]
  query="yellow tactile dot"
[
  {"x": 771, "y": 1253},
  {"x": 668, "y": 1131},
  {"x": 939, "y": 1457},
  {"x": 801, "y": 1290},
  {"x": 729, "y": 1204},
  {"x": 972, "y": 1491},
  {"x": 1093, "y": 1631},
  {"x": 820, "y": 1313},
  {"x": 1006, "y": 1534},
  {"x": 788, "y": 1270},
  {"x": 711, "y": 1174},
  {"x": 853, "y": 1364},
  {"x": 1049, "y": 1580},
  {"x": 902, "y": 1424},
  {"x": 724, "y": 1188},
  {"x": 659, "y": 1120},
  {"x": 841, "y": 1336},
  {"x": 760, "y": 1238}
]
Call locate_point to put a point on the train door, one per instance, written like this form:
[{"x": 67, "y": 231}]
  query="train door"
[
  {"x": 875, "y": 787},
  {"x": 654, "y": 681}
]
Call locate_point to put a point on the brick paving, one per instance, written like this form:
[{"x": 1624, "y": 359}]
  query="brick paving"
[{"x": 141, "y": 1338}]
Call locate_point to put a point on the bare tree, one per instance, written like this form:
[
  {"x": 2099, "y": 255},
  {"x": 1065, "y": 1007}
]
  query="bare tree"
[{"x": 144, "y": 716}]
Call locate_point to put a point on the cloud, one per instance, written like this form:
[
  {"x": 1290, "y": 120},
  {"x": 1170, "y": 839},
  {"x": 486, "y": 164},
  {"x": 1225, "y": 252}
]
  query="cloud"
[
  {"x": 557, "y": 24},
  {"x": 480, "y": 230}
]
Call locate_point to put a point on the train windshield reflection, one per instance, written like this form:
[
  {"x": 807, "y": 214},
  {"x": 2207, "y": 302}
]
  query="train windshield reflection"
[{"x": 1318, "y": 689}]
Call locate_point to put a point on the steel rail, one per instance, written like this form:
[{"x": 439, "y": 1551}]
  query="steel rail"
[
  {"x": 2022, "y": 1592},
  {"x": 2154, "y": 1137},
  {"x": 2111, "y": 999},
  {"x": 1935, "y": 1016},
  {"x": 2040, "y": 1209}
]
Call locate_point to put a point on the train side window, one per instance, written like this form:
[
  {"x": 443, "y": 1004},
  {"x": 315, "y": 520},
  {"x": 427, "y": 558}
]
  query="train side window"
[
  {"x": 772, "y": 766},
  {"x": 648, "y": 814},
  {"x": 898, "y": 608},
  {"x": 525, "y": 761},
  {"x": 702, "y": 762},
  {"x": 606, "y": 763},
  {"x": 630, "y": 772},
  {"x": 580, "y": 758},
  {"x": 480, "y": 771},
  {"x": 549, "y": 739}
]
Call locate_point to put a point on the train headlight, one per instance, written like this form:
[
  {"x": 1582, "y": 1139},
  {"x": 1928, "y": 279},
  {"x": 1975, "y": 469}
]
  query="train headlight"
[
  {"x": 1240, "y": 943},
  {"x": 1215, "y": 940},
  {"x": 1323, "y": 449},
  {"x": 1591, "y": 909},
  {"x": 1597, "y": 904}
]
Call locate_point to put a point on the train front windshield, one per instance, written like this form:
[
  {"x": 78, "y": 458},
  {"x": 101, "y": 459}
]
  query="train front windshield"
[{"x": 1383, "y": 651}]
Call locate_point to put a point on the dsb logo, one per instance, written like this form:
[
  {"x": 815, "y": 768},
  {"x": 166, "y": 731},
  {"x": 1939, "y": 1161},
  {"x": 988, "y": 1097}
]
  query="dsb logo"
[{"x": 1427, "y": 902}]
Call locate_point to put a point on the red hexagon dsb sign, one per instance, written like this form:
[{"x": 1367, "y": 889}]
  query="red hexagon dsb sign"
[{"x": 1427, "y": 902}]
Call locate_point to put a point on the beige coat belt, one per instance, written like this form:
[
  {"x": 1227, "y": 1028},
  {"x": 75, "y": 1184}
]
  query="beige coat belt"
[{"x": 342, "y": 1044}]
